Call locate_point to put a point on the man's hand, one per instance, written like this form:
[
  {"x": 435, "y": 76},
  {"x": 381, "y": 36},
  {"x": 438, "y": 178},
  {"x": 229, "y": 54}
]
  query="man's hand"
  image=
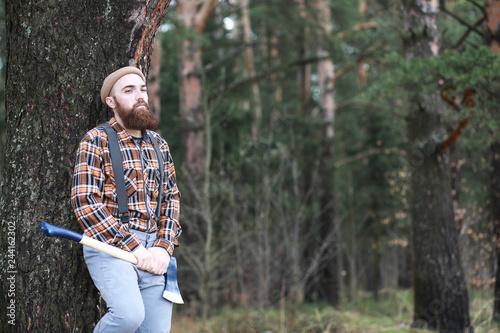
[
  {"x": 161, "y": 259},
  {"x": 145, "y": 259}
]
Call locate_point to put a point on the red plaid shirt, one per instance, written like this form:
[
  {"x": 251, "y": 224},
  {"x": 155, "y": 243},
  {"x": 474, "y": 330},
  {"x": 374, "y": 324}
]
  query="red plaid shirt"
[{"x": 94, "y": 198}]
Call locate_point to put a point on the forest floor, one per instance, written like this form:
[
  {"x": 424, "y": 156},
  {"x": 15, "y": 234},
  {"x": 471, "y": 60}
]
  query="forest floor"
[{"x": 391, "y": 314}]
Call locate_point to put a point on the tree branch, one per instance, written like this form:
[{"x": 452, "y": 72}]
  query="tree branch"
[
  {"x": 300, "y": 62},
  {"x": 351, "y": 64},
  {"x": 466, "y": 34},
  {"x": 207, "y": 7},
  {"x": 370, "y": 152},
  {"x": 477, "y": 5},
  {"x": 215, "y": 64},
  {"x": 453, "y": 137},
  {"x": 358, "y": 27},
  {"x": 443, "y": 8},
  {"x": 249, "y": 81}
]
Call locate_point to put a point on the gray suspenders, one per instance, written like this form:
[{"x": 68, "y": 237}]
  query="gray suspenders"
[
  {"x": 172, "y": 292},
  {"x": 117, "y": 162}
]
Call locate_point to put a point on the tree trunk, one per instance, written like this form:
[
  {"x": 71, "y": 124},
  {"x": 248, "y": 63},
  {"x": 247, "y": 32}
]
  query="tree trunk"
[
  {"x": 274, "y": 61},
  {"x": 57, "y": 56},
  {"x": 194, "y": 15},
  {"x": 154, "y": 79},
  {"x": 440, "y": 293},
  {"x": 326, "y": 73},
  {"x": 256, "y": 105},
  {"x": 493, "y": 40},
  {"x": 495, "y": 202},
  {"x": 304, "y": 73}
]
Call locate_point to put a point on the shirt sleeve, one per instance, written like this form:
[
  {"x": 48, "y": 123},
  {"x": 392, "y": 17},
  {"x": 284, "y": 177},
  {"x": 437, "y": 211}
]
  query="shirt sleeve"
[
  {"x": 169, "y": 227},
  {"x": 88, "y": 197}
]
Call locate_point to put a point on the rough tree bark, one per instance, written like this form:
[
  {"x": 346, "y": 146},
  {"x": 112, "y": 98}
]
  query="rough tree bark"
[
  {"x": 58, "y": 53},
  {"x": 440, "y": 293},
  {"x": 492, "y": 10}
]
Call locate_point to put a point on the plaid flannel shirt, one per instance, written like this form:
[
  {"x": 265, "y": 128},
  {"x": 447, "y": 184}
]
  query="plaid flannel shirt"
[{"x": 94, "y": 197}]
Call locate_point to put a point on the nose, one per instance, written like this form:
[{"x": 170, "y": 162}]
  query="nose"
[{"x": 142, "y": 95}]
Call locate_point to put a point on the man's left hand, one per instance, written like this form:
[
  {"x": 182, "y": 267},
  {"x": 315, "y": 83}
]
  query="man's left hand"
[{"x": 161, "y": 259}]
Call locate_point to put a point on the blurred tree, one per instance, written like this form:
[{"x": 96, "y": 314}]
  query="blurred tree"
[
  {"x": 492, "y": 22},
  {"x": 57, "y": 56},
  {"x": 194, "y": 15},
  {"x": 264, "y": 192},
  {"x": 250, "y": 68},
  {"x": 196, "y": 144},
  {"x": 440, "y": 290},
  {"x": 304, "y": 72},
  {"x": 154, "y": 79},
  {"x": 329, "y": 274},
  {"x": 2, "y": 83}
]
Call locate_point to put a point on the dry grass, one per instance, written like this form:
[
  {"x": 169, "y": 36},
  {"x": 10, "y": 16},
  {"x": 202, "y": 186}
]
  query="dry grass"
[{"x": 391, "y": 314}]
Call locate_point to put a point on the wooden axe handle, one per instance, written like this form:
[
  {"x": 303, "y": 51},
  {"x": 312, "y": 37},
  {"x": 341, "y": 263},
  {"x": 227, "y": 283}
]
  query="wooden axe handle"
[
  {"x": 55, "y": 231},
  {"x": 171, "y": 293},
  {"x": 108, "y": 249}
]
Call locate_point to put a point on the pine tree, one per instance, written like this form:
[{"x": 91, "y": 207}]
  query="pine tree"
[
  {"x": 441, "y": 297},
  {"x": 57, "y": 57}
]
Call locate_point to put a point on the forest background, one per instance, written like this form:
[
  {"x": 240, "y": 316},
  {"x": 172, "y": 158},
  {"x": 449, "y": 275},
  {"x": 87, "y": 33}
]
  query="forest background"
[{"x": 303, "y": 163}]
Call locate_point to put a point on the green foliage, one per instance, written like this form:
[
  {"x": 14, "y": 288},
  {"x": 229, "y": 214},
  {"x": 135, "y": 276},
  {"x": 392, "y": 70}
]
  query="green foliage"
[
  {"x": 269, "y": 185},
  {"x": 473, "y": 67},
  {"x": 273, "y": 180}
]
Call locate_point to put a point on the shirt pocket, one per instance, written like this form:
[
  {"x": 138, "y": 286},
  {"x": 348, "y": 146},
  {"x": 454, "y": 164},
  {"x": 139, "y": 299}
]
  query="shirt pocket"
[
  {"x": 153, "y": 184},
  {"x": 130, "y": 175}
]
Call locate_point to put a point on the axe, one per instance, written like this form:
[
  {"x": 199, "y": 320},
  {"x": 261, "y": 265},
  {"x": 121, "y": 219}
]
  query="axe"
[{"x": 171, "y": 292}]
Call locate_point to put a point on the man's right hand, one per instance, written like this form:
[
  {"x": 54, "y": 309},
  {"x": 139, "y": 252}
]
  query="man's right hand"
[{"x": 145, "y": 259}]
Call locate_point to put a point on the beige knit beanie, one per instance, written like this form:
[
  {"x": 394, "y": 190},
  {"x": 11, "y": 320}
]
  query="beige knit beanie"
[{"x": 111, "y": 79}]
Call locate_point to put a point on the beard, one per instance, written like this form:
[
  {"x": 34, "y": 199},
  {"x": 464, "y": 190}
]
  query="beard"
[{"x": 139, "y": 117}]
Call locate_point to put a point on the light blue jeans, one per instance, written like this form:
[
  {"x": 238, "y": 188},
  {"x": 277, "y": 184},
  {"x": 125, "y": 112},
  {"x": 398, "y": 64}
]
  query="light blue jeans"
[{"x": 134, "y": 297}]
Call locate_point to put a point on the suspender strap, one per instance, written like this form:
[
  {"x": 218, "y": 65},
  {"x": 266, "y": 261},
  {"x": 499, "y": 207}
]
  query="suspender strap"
[
  {"x": 159, "y": 157},
  {"x": 117, "y": 162}
]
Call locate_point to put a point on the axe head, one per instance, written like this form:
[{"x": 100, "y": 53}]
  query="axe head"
[{"x": 172, "y": 292}]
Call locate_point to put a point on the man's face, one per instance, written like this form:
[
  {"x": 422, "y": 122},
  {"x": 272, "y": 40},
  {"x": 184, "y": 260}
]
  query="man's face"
[{"x": 130, "y": 103}]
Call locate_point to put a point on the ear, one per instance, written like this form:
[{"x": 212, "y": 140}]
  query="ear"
[{"x": 110, "y": 101}]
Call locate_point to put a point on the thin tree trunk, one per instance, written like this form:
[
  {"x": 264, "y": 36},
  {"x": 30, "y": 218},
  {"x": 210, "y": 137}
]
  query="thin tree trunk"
[
  {"x": 154, "y": 80},
  {"x": 312, "y": 285},
  {"x": 326, "y": 76},
  {"x": 274, "y": 61},
  {"x": 493, "y": 40},
  {"x": 495, "y": 202},
  {"x": 256, "y": 105},
  {"x": 353, "y": 253},
  {"x": 57, "y": 57},
  {"x": 196, "y": 141},
  {"x": 305, "y": 69},
  {"x": 194, "y": 15},
  {"x": 440, "y": 293}
]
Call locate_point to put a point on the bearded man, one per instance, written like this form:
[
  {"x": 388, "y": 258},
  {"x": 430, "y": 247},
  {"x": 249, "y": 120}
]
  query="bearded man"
[{"x": 133, "y": 293}]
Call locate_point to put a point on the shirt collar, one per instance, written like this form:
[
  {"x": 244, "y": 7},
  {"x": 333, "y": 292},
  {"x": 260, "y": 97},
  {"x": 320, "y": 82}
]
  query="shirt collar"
[{"x": 122, "y": 132}]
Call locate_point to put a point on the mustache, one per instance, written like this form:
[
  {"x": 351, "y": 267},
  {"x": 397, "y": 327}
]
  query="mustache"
[{"x": 141, "y": 102}]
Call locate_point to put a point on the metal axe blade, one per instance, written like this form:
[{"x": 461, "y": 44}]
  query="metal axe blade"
[{"x": 171, "y": 293}]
